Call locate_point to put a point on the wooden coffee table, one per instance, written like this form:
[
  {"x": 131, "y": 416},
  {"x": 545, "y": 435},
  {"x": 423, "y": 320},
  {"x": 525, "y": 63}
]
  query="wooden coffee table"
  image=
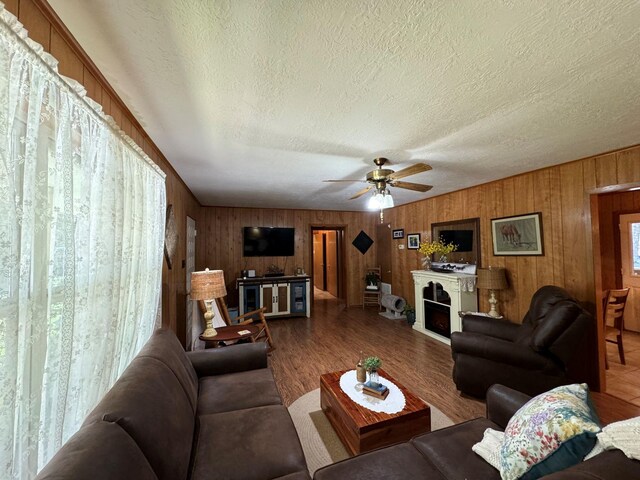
[{"x": 361, "y": 429}]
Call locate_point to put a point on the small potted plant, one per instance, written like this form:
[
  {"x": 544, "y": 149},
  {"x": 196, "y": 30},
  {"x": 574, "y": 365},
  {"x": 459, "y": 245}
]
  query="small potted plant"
[
  {"x": 372, "y": 279},
  {"x": 371, "y": 365},
  {"x": 410, "y": 313}
]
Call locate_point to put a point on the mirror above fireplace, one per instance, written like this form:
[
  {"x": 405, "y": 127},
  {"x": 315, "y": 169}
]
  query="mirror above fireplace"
[{"x": 463, "y": 233}]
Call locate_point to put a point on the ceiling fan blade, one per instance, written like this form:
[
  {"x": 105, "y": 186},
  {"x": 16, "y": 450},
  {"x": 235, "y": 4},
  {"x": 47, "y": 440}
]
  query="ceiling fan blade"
[
  {"x": 334, "y": 181},
  {"x": 418, "y": 187},
  {"x": 412, "y": 170},
  {"x": 361, "y": 192}
]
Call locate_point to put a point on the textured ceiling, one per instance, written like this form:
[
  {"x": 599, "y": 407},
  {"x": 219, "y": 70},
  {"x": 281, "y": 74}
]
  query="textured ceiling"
[{"x": 255, "y": 102}]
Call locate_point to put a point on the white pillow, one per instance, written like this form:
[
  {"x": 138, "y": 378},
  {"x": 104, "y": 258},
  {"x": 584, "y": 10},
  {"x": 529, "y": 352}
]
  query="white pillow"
[
  {"x": 624, "y": 435},
  {"x": 489, "y": 447}
]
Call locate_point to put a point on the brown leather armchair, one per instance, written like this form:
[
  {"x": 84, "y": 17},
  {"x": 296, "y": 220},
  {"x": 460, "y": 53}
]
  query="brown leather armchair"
[{"x": 531, "y": 357}]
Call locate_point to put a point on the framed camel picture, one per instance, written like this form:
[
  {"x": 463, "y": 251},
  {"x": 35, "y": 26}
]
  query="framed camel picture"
[{"x": 519, "y": 235}]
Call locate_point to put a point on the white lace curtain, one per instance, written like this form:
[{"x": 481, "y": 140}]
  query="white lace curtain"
[{"x": 81, "y": 251}]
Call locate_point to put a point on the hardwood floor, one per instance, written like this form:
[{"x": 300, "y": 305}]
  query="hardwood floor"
[
  {"x": 623, "y": 381},
  {"x": 333, "y": 337}
]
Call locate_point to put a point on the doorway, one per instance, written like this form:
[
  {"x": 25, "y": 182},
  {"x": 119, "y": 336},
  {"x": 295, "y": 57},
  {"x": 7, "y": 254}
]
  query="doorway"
[
  {"x": 327, "y": 262},
  {"x": 616, "y": 227},
  {"x": 383, "y": 236},
  {"x": 630, "y": 259},
  {"x": 193, "y": 326}
]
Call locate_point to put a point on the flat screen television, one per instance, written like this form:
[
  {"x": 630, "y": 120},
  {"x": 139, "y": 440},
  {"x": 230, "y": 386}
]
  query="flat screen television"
[
  {"x": 268, "y": 242},
  {"x": 462, "y": 238}
]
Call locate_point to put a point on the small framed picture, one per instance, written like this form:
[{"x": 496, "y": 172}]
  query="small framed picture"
[
  {"x": 413, "y": 241},
  {"x": 399, "y": 233},
  {"x": 519, "y": 235}
]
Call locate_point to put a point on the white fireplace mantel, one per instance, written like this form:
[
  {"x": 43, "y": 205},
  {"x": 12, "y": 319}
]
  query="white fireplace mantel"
[{"x": 461, "y": 290}]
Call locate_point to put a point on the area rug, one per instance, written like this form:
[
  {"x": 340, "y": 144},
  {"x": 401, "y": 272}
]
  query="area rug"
[{"x": 319, "y": 441}]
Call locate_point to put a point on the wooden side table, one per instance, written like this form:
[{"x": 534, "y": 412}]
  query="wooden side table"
[{"x": 228, "y": 334}]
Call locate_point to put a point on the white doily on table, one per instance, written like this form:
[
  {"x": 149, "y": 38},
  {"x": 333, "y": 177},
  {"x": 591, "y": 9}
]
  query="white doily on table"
[{"x": 394, "y": 402}]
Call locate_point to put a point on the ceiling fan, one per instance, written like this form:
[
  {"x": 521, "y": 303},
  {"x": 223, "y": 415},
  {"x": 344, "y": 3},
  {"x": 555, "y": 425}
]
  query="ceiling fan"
[{"x": 381, "y": 178}]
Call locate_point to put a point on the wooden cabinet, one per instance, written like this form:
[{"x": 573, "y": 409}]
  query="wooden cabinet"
[{"x": 280, "y": 296}]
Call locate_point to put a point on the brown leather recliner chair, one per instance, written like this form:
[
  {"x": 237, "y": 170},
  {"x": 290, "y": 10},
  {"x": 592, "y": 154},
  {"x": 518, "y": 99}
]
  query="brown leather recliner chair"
[{"x": 531, "y": 357}]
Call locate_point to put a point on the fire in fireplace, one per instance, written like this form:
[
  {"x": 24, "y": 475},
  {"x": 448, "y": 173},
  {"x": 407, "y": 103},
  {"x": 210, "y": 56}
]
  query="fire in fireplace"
[{"x": 437, "y": 306}]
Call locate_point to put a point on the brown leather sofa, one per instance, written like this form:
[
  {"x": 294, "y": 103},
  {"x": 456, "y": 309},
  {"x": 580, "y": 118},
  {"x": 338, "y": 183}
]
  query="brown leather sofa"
[
  {"x": 174, "y": 415},
  {"x": 531, "y": 357},
  {"x": 447, "y": 454}
]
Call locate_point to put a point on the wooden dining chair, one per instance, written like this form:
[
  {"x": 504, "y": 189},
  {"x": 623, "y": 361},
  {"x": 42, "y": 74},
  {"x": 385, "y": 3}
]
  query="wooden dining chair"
[
  {"x": 257, "y": 318},
  {"x": 613, "y": 308},
  {"x": 370, "y": 296}
]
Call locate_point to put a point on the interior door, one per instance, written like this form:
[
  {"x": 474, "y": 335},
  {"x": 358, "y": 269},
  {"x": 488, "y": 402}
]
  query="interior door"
[
  {"x": 318, "y": 260},
  {"x": 383, "y": 234},
  {"x": 331, "y": 261},
  {"x": 630, "y": 256}
]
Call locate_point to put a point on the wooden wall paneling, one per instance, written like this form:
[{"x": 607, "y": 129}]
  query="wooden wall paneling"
[
  {"x": 100, "y": 94},
  {"x": 628, "y": 166},
  {"x": 542, "y": 204},
  {"x": 106, "y": 108},
  {"x": 224, "y": 228},
  {"x": 554, "y": 250},
  {"x": 574, "y": 248},
  {"x": 125, "y": 125},
  {"x": 589, "y": 184},
  {"x": 524, "y": 200},
  {"x": 490, "y": 193},
  {"x": 116, "y": 113},
  {"x": 457, "y": 204},
  {"x": 91, "y": 85},
  {"x": 471, "y": 206},
  {"x": 209, "y": 232},
  {"x": 589, "y": 174},
  {"x": 606, "y": 170},
  {"x": 12, "y": 6},
  {"x": 69, "y": 64},
  {"x": 509, "y": 304},
  {"x": 33, "y": 20},
  {"x": 590, "y": 368}
]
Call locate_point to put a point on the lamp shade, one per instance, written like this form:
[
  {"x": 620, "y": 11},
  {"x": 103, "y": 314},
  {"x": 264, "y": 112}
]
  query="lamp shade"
[
  {"x": 388, "y": 200},
  {"x": 492, "y": 278},
  {"x": 207, "y": 285}
]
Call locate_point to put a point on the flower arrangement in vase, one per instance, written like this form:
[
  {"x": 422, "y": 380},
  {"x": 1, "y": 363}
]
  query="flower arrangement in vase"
[
  {"x": 435, "y": 248},
  {"x": 371, "y": 365}
]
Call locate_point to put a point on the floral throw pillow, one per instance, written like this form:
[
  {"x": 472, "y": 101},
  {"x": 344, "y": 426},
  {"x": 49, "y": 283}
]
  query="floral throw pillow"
[{"x": 551, "y": 432}]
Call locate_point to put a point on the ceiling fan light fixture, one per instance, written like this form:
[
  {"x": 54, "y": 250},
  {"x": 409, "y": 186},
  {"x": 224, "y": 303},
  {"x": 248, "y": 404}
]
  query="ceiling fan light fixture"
[
  {"x": 380, "y": 200},
  {"x": 375, "y": 202},
  {"x": 387, "y": 201}
]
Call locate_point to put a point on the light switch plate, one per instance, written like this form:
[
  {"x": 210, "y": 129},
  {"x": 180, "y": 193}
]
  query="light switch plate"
[{"x": 401, "y": 246}]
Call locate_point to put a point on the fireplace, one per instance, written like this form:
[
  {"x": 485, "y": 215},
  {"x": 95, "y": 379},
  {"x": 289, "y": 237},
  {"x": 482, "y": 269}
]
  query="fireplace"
[
  {"x": 437, "y": 309},
  {"x": 439, "y": 299}
]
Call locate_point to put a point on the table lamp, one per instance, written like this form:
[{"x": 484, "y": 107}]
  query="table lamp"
[
  {"x": 208, "y": 285},
  {"x": 492, "y": 279}
]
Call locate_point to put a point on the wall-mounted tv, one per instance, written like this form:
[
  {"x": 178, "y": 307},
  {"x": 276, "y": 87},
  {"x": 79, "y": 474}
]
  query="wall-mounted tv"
[
  {"x": 463, "y": 239},
  {"x": 268, "y": 242}
]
